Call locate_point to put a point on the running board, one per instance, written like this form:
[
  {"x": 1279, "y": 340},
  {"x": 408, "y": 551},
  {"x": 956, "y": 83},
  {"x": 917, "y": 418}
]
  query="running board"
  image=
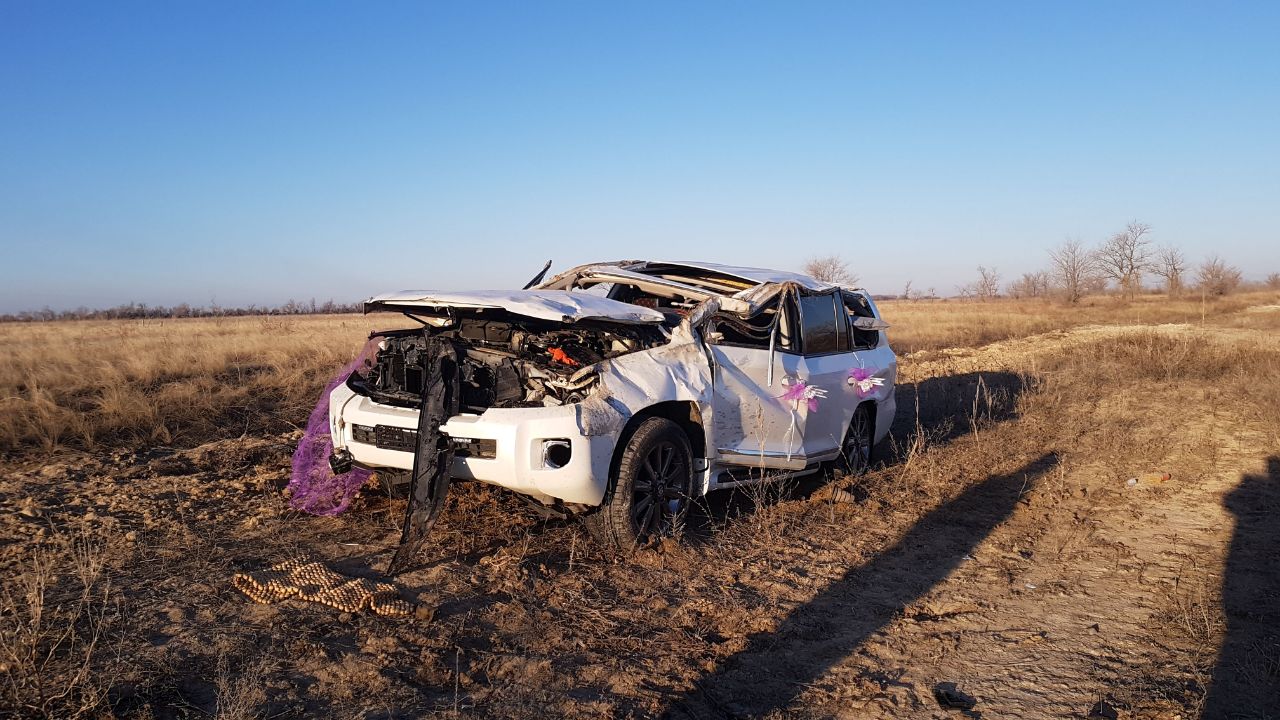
[{"x": 763, "y": 460}]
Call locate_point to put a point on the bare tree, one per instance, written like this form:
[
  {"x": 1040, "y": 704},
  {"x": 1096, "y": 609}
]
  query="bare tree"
[
  {"x": 1216, "y": 277},
  {"x": 1171, "y": 265},
  {"x": 988, "y": 285},
  {"x": 906, "y": 291},
  {"x": 1030, "y": 285},
  {"x": 1073, "y": 266},
  {"x": 830, "y": 268},
  {"x": 1126, "y": 256},
  {"x": 1273, "y": 281}
]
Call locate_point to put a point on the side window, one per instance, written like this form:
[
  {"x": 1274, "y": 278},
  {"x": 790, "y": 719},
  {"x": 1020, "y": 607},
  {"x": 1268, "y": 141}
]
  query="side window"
[
  {"x": 818, "y": 316},
  {"x": 754, "y": 331},
  {"x": 856, "y": 306}
]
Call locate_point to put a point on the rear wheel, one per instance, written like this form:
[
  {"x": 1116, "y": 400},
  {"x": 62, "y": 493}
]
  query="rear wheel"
[
  {"x": 855, "y": 453},
  {"x": 651, "y": 493}
]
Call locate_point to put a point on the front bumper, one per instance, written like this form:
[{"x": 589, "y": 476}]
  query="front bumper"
[{"x": 518, "y": 435}]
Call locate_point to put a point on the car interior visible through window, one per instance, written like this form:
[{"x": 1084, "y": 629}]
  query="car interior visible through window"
[
  {"x": 856, "y": 306},
  {"x": 755, "y": 331}
]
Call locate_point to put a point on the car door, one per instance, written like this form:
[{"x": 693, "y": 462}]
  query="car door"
[
  {"x": 828, "y": 358},
  {"x": 753, "y": 424},
  {"x": 872, "y": 355}
]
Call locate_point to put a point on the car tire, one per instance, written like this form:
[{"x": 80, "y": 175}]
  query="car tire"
[
  {"x": 858, "y": 446},
  {"x": 651, "y": 493}
]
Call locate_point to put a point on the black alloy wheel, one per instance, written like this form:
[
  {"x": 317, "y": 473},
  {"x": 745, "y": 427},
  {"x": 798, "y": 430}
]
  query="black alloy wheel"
[
  {"x": 855, "y": 453},
  {"x": 651, "y": 492}
]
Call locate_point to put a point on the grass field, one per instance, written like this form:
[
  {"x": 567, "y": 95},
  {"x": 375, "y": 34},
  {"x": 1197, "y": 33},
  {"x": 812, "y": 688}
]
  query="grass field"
[
  {"x": 999, "y": 546},
  {"x": 172, "y": 382},
  {"x": 186, "y": 381}
]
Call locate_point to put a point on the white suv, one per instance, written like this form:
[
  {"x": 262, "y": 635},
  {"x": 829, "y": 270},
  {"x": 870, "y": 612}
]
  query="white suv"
[{"x": 626, "y": 389}]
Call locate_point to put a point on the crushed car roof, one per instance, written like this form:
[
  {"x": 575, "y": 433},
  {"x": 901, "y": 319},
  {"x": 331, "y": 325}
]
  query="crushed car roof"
[
  {"x": 702, "y": 276},
  {"x": 739, "y": 290},
  {"x": 755, "y": 275},
  {"x": 553, "y": 305}
]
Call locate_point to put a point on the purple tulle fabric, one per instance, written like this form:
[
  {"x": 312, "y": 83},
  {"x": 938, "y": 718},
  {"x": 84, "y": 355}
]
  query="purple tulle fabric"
[{"x": 314, "y": 487}]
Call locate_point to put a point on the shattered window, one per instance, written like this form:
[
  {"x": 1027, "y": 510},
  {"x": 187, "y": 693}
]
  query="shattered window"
[
  {"x": 755, "y": 330},
  {"x": 818, "y": 314},
  {"x": 856, "y": 306}
]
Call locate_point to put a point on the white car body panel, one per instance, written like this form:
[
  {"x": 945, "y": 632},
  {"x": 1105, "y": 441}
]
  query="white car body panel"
[
  {"x": 518, "y": 432},
  {"x": 735, "y": 392}
]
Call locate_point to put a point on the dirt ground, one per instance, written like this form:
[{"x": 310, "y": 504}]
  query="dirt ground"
[{"x": 999, "y": 548}]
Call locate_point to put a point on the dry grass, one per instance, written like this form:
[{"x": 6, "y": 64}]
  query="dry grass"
[
  {"x": 933, "y": 325},
  {"x": 59, "y": 611},
  {"x": 998, "y": 479},
  {"x": 182, "y": 382}
]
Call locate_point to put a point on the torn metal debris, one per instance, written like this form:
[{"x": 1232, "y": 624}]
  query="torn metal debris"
[{"x": 433, "y": 456}]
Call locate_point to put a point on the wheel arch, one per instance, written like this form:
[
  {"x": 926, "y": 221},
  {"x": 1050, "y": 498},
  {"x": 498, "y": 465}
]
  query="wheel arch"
[{"x": 684, "y": 413}]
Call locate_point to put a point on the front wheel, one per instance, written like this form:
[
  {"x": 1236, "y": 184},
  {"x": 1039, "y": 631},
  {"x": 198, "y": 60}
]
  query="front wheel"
[{"x": 651, "y": 493}]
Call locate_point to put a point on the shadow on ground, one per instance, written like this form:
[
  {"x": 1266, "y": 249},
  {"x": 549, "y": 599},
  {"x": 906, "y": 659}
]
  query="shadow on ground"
[
  {"x": 945, "y": 407},
  {"x": 1246, "y": 681},
  {"x": 775, "y": 667}
]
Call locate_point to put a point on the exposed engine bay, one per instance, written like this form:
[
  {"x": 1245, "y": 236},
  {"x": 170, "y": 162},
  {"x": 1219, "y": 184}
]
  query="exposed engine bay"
[{"x": 504, "y": 364}]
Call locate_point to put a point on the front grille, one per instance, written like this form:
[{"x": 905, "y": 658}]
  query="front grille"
[
  {"x": 363, "y": 434},
  {"x": 389, "y": 437}
]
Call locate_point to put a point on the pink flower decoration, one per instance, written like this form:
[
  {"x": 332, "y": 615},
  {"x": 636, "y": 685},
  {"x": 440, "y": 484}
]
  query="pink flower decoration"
[
  {"x": 800, "y": 391},
  {"x": 864, "y": 381}
]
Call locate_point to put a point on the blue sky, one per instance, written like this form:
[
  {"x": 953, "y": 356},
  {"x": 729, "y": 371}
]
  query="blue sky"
[{"x": 254, "y": 152}]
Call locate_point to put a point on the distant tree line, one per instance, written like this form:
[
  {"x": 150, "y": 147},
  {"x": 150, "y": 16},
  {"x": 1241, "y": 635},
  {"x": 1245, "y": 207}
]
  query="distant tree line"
[
  {"x": 1120, "y": 264},
  {"x": 143, "y": 311}
]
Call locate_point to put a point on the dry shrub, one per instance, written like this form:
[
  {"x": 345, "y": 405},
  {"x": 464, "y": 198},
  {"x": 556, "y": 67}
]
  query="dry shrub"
[
  {"x": 1155, "y": 399},
  {"x": 241, "y": 688},
  {"x": 59, "y": 613},
  {"x": 1165, "y": 356},
  {"x": 1194, "y": 608}
]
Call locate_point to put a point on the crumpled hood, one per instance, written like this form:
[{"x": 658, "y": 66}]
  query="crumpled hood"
[{"x": 554, "y": 305}]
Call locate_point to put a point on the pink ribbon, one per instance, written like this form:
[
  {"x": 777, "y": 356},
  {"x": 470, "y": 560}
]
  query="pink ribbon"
[
  {"x": 800, "y": 391},
  {"x": 864, "y": 381}
]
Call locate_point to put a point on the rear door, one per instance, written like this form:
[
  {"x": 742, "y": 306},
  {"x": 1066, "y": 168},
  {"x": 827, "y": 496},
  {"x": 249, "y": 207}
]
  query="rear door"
[{"x": 828, "y": 358}]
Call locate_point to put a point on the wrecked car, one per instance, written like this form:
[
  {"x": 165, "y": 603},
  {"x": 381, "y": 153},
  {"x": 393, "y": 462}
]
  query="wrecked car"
[{"x": 621, "y": 390}]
